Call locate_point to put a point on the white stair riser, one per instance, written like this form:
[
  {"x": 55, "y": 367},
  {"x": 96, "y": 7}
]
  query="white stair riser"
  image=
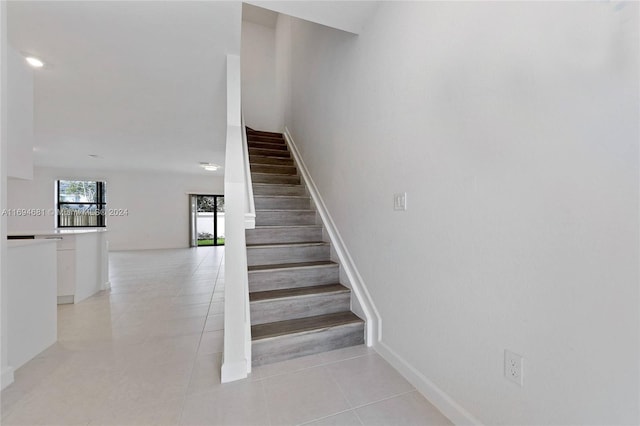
[
  {"x": 277, "y": 255},
  {"x": 293, "y": 278},
  {"x": 265, "y": 311}
]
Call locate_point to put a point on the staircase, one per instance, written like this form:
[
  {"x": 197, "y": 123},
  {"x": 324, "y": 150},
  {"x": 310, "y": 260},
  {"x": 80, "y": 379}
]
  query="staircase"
[{"x": 298, "y": 306}]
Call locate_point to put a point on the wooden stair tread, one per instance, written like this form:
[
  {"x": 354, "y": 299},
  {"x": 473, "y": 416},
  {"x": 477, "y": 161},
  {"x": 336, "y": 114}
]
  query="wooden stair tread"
[
  {"x": 286, "y": 226},
  {"x": 282, "y": 196},
  {"x": 297, "y": 292},
  {"x": 299, "y": 244},
  {"x": 278, "y": 184},
  {"x": 303, "y": 325},
  {"x": 299, "y": 265},
  {"x": 263, "y": 133}
]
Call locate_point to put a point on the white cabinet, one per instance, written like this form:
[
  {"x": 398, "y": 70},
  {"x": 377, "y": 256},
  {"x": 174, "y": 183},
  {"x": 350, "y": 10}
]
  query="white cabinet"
[
  {"x": 66, "y": 275},
  {"x": 82, "y": 263}
]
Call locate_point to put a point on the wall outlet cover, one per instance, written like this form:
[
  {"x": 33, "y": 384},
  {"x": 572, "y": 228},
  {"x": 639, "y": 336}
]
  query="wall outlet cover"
[
  {"x": 400, "y": 201},
  {"x": 513, "y": 367}
]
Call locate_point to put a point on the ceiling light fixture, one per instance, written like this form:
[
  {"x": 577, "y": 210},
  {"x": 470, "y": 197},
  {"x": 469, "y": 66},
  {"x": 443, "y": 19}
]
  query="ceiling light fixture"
[
  {"x": 34, "y": 62},
  {"x": 210, "y": 167}
]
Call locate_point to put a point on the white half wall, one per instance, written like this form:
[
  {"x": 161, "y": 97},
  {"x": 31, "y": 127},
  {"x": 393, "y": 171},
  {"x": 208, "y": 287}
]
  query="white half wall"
[
  {"x": 513, "y": 129},
  {"x": 156, "y": 204},
  {"x": 258, "y": 64}
]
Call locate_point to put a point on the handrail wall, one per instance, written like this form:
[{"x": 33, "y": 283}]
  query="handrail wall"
[{"x": 236, "y": 363}]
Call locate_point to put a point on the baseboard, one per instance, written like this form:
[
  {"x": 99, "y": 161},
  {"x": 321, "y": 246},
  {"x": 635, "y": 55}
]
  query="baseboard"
[
  {"x": 106, "y": 286},
  {"x": 66, "y": 300},
  {"x": 6, "y": 377},
  {"x": 443, "y": 402},
  {"x": 373, "y": 319}
]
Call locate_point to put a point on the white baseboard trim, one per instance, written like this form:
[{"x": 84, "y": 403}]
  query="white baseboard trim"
[
  {"x": 66, "y": 300},
  {"x": 106, "y": 285},
  {"x": 443, "y": 402},
  {"x": 373, "y": 319},
  {"x": 6, "y": 377}
]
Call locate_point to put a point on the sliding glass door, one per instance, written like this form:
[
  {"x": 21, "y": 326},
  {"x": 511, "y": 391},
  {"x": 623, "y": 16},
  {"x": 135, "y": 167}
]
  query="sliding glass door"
[{"x": 207, "y": 220}]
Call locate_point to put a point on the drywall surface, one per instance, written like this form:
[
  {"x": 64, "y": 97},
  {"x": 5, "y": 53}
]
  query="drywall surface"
[
  {"x": 151, "y": 210},
  {"x": 348, "y": 16},
  {"x": 19, "y": 116},
  {"x": 513, "y": 128},
  {"x": 259, "y": 100}
]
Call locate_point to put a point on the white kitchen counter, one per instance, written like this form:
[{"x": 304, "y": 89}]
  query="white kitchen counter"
[{"x": 82, "y": 259}]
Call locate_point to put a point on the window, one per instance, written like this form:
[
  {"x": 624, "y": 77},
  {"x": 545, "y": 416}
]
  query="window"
[{"x": 81, "y": 203}]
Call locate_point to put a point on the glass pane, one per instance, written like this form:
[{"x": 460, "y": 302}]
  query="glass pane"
[
  {"x": 77, "y": 191},
  {"x": 78, "y": 215},
  {"x": 205, "y": 203},
  {"x": 220, "y": 203}
]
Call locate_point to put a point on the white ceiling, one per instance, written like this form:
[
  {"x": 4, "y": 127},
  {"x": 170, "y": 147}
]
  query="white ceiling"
[{"x": 141, "y": 84}]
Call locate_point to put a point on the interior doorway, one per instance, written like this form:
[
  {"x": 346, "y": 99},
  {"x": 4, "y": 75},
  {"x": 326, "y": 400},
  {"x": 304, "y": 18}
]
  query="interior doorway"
[{"x": 206, "y": 220}]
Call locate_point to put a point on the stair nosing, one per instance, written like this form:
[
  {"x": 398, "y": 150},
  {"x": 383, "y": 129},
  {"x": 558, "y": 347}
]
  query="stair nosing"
[
  {"x": 342, "y": 290},
  {"x": 292, "y": 267},
  {"x": 282, "y": 196},
  {"x": 273, "y": 174},
  {"x": 286, "y": 226},
  {"x": 296, "y": 244},
  {"x": 285, "y": 210},
  {"x": 279, "y": 184},
  {"x": 351, "y": 322}
]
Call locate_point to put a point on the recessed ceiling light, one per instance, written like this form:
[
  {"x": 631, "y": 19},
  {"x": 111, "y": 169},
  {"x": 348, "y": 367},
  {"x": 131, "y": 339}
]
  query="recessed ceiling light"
[
  {"x": 34, "y": 62},
  {"x": 210, "y": 167}
]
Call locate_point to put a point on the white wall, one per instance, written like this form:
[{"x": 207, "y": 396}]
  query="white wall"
[
  {"x": 20, "y": 116},
  {"x": 6, "y": 372},
  {"x": 513, "y": 128},
  {"x": 157, "y": 204},
  {"x": 348, "y": 16},
  {"x": 259, "y": 78}
]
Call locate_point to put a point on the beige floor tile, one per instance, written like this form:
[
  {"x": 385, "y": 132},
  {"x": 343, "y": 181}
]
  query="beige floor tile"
[
  {"x": 241, "y": 403},
  {"x": 408, "y": 409},
  {"x": 345, "y": 353},
  {"x": 368, "y": 379},
  {"x": 214, "y": 323},
  {"x": 205, "y": 376},
  {"x": 132, "y": 413},
  {"x": 212, "y": 342},
  {"x": 303, "y": 396},
  {"x": 348, "y": 418},
  {"x": 289, "y": 366}
]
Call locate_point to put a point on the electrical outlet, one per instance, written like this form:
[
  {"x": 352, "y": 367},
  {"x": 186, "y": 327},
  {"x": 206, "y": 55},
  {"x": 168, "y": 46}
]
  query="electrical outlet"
[
  {"x": 400, "y": 201},
  {"x": 513, "y": 367}
]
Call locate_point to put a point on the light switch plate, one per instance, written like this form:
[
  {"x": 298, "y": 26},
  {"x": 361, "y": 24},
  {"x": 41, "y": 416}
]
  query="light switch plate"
[{"x": 400, "y": 201}]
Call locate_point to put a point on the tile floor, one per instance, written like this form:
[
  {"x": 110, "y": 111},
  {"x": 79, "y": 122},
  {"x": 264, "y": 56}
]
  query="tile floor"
[{"x": 148, "y": 352}]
